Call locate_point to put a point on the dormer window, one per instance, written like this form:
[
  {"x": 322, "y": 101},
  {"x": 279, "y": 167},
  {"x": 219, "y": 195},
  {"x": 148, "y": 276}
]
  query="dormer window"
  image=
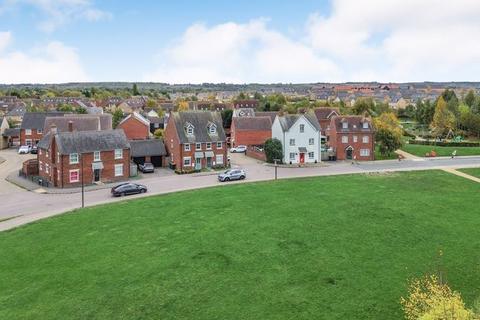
[
  {"x": 345, "y": 125},
  {"x": 212, "y": 129},
  {"x": 189, "y": 129},
  {"x": 365, "y": 125}
]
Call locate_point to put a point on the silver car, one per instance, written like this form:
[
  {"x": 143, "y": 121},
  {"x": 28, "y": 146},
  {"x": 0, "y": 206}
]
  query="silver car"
[{"x": 232, "y": 174}]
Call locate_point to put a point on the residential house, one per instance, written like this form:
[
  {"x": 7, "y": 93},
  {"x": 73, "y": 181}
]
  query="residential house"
[
  {"x": 73, "y": 122},
  {"x": 4, "y": 126},
  {"x": 136, "y": 127},
  {"x": 243, "y": 112},
  {"x": 133, "y": 104},
  {"x": 300, "y": 135},
  {"x": 31, "y": 129},
  {"x": 324, "y": 115},
  {"x": 195, "y": 140},
  {"x": 156, "y": 123},
  {"x": 270, "y": 114},
  {"x": 65, "y": 158},
  {"x": 352, "y": 138},
  {"x": 250, "y": 131},
  {"x": 246, "y": 103},
  {"x": 148, "y": 150}
]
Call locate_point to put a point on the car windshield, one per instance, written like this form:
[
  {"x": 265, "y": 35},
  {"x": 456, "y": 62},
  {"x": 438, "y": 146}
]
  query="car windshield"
[{"x": 228, "y": 171}]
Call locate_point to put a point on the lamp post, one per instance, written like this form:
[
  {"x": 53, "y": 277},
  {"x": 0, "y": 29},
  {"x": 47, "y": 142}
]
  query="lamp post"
[{"x": 276, "y": 165}]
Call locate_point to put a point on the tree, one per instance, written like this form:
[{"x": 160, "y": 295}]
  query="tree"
[
  {"x": 388, "y": 134},
  {"x": 151, "y": 103},
  {"x": 117, "y": 116},
  {"x": 443, "y": 119},
  {"x": 183, "y": 105},
  {"x": 470, "y": 99},
  {"x": 363, "y": 105},
  {"x": 241, "y": 96},
  {"x": 158, "y": 134},
  {"x": 273, "y": 150},
  {"x": 227, "y": 117},
  {"x": 135, "y": 91},
  {"x": 81, "y": 110},
  {"x": 429, "y": 299}
]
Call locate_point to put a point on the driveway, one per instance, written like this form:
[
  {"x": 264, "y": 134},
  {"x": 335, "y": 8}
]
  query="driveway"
[{"x": 13, "y": 162}]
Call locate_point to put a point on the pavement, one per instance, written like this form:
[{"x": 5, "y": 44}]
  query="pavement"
[{"x": 19, "y": 206}]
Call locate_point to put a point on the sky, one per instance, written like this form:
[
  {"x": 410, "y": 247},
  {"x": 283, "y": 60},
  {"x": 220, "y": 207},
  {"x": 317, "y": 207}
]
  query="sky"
[{"x": 262, "y": 41}]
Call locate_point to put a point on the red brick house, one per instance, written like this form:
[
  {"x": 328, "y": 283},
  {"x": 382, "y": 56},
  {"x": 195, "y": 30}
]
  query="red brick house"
[
  {"x": 103, "y": 155},
  {"x": 352, "y": 137},
  {"x": 250, "y": 131},
  {"x": 246, "y": 103},
  {"x": 135, "y": 126},
  {"x": 31, "y": 129},
  {"x": 195, "y": 140},
  {"x": 324, "y": 115}
]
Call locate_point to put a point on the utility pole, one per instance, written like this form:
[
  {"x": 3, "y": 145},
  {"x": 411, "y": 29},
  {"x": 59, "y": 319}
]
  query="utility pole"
[
  {"x": 83, "y": 188},
  {"x": 276, "y": 166}
]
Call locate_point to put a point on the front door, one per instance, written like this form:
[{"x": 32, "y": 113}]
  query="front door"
[
  {"x": 96, "y": 175},
  {"x": 349, "y": 154},
  {"x": 198, "y": 163},
  {"x": 302, "y": 157},
  {"x": 209, "y": 162}
]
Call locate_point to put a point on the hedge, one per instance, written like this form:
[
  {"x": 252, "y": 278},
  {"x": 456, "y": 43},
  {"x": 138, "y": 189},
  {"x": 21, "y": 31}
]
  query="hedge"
[{"x": 444, "y": 144}]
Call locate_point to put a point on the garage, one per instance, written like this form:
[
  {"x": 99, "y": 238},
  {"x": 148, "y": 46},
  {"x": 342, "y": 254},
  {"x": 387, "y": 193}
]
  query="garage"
[{"x": 149, "y": 150}]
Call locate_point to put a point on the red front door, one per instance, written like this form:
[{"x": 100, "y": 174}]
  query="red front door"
[{"x": 302, "y": 157}]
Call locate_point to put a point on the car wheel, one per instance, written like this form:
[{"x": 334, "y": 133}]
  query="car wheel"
[
  {"x": 143, "y": 191},
  {"x": 242, "y": 177},
  {"x": 226, "y": 179},
  {"x": 123, "y": 194}
]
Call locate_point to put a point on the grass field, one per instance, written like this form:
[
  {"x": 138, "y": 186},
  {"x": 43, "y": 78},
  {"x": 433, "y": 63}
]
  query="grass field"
[
  {"x": 338, "y": 247},
  {"x": 471, "y": 171},
  {"x": 421, "y": 150}
]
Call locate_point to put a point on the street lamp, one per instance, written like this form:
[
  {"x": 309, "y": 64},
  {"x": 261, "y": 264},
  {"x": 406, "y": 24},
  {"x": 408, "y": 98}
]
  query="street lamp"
[{"x": 276, "y": 165}]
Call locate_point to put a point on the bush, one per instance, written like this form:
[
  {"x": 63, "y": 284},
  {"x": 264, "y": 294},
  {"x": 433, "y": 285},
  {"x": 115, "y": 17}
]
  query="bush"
[
  {"x": 273, "y": 150},
  {"x": 444, "y": 143}
]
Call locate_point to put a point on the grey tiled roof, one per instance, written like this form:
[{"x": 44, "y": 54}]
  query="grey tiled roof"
[
  {"x": 147, "y": 148},
  {"x": 200, "y": 121},
  {"x": 11, "y": 132},
  {"x": 79, "y": 123},
  {"x": 36, "y": 120},
  {"x": 288, "y": 120},
  {"x": 86, "y": 141},
  {"x": 253, "y": 123}
]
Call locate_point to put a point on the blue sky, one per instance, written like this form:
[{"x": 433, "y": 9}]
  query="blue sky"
[{"x": 237, "y": 41}]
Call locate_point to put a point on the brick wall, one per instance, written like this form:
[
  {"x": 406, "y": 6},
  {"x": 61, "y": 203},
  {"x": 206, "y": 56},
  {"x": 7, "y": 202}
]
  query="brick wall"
[
  {"x": 34, "y": 136},
  {"x": 336, "y": 142},
  {"x": 250, "y": 137},
  {"x": 135, "y": 129}
]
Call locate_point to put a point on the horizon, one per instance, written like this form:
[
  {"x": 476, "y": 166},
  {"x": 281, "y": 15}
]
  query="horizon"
[{"x": 335, "y": 41}]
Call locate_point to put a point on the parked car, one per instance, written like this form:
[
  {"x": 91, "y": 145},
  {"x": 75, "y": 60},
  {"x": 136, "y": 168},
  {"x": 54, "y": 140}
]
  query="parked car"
[
  {"x": 24, "y": 149},
  {"x": 125, "y": 189},
  {"x": 147, "y": 167},
  {"x": 238, "y": 149},
  {"x": 34, "y": 150},
  {"x": 232, "y": 174}
]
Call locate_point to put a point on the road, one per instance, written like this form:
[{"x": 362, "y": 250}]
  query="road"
[{"x": 19, "y": 206}]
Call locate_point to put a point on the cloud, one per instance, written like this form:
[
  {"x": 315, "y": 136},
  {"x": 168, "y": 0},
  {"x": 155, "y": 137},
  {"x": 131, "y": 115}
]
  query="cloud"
[
  {"x": 52, "y": 63},
  {"x": 238, "y": 53},
  {"x": 395, "y": 40},
  {"x": 56, "y": 13}
]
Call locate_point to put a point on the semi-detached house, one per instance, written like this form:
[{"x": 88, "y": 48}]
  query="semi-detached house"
[{"x": 195, "y": 140}]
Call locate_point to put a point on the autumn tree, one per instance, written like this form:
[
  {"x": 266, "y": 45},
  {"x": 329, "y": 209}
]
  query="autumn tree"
[
  {"x": 470, "y": 98},
  {"x": 183, "y": 105},
  {"x": 151, "y": 104},
  {"x": 388, "y": 134},
  {"x": 117, "y": 116},
  {"x": 158, "y": 134},
  {"x": 443, "y": 119}
]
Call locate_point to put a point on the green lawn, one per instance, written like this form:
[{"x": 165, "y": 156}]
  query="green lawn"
[
  {"x": 338, "y": 247},
  {"x": 421, "y": 150},
  {"x": 471, "y": 171},
  {"x": 379, "y": 156}
]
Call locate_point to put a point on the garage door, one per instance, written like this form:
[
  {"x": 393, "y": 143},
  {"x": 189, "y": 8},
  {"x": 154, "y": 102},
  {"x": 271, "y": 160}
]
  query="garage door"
[
  {"x": 156, "y": 161},
  {"x": 139, "y": 160}
]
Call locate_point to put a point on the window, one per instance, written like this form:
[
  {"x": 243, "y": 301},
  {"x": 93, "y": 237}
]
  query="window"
[
  {"x": 58, "y": 157},
  {"x": 292, "y": 156},
  {"x": 219, "y": 145},
  {"x": 28, "y": 142},
  {"x": 40, "y": 166},
  {"x": 344, "y": 139},
  {"x": 209, "y": 146},
  {"x": 365, "y": 125},
  {"x": 39, "y": 131},
  {"x": 186, "y": 147},
  {"x": 311, "y": 155},
  {"x": 73, "y": 158},
  {"x": 96, "y": 156},
  {"x": 119, "y": 170},
  {"x": 39, "y": 152},
  {"x": 198, "y": 146},
  {"x": 190, "y": 130},
  {"x": 365, "y": 139},
  {"x": 47, "y": 153},
  {"x": 302, "y": 128},
  {"x": 355, "y": 138},
  {"x": 118, "y": 153},
  {"x": 28, "y": 132},
  {"x": 345, "y": 125},
  {"x": 74, "y": 175},
  {"x": 212, "y": 129},
  {"x": 311, "y": 141},
  {"x": 292, "y": 142},
  {"x": 187, "y": 161},
  {"x": 219, "y": 159},
  {"x": 364, "y": 152}
]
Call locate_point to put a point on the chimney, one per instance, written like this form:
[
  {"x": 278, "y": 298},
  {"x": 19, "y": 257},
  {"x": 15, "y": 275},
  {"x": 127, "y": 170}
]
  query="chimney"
[
  {"x": 53, "y": 129},
  {"x": 70, "y": 126}
]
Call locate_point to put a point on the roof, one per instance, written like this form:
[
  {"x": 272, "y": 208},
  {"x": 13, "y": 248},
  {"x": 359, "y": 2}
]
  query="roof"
[
  {"x": 156, "y": 119},
  {"x": 36, "y": 120},
  {"x": 355, "y": 123},
  {"x": 86, "y": 141},
  {"x": 253, "y": 123},
  {"x": 244, "y": 112},
  {"x": 326, "y": 113},
  {"x": 79, "y": 123},
  {"x": 200, "y": 121},
  {"x": 271, "y": 114},
  {"x": 288, "y": 120},
  {"x": 147, "y": 148},
  {"x": 11, "y": 132},
  {"x": 137, "y": 116}
]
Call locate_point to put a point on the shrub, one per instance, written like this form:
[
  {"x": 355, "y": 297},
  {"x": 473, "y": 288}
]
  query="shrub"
[
  {"x": 444, "y": 143},
  {"x": 273, "y": 150}
]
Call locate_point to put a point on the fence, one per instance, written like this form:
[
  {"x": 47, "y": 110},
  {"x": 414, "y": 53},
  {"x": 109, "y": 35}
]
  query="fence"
[
  {"x": 256, "y": 153},
  {"x": 35, "y": 179}
]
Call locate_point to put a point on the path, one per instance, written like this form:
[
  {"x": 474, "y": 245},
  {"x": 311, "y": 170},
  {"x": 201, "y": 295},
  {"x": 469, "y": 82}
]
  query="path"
[{"x": 462, "y": 174}]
